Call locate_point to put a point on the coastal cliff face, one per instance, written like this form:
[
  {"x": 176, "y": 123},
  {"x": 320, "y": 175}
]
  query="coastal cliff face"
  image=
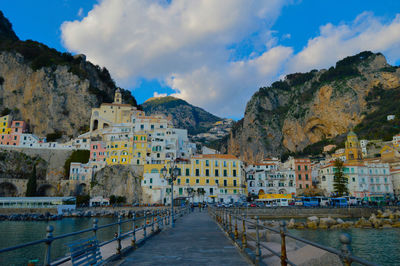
[
  {"x": 51, "y": 91},
  {"x": 118, "y": 180},
  {"x": 309, "y": 107}
]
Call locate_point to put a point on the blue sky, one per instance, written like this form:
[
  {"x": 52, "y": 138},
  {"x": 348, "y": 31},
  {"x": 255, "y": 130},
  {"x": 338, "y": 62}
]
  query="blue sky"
[{"x": 214, "y": 54}]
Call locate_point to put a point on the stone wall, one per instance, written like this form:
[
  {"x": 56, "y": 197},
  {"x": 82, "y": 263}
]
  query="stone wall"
[{"x": 289, "y": 212}]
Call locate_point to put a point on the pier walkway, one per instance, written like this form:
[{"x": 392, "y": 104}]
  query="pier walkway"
[{"x": 195, "y": 240}]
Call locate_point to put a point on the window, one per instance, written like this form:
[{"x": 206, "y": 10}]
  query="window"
[
  {"x": 301, "y": 186},
  {"x": 211, "y": 191},
  {"x": 197, "y": 181},
  {"x": 216, "y": 163},
  {"x": 306, "y": 176},
  {"x": 234, "y": 191},
  {"x": 207, "y": 181},
  {"x": 197, "y": 161},
  {"x": 225, "y": 172},
  {"x": 207, "y": 163},
  {"x": 323, "y": 178},
  {"x": 234, "y": 183},
  {"x": 207, "y": 172},
  {"x": 234, "y": 172},
  {"x": 216, "y": 172},
  {"x": 234, "y": 164},
  {"x": 151, "y": 180},
  {"x": 306, "y": 185},
  {"x": 299, "y": 167},
  {"x": 216, "y": 181},
  {"x": 187, "y": 172},
  {"x": 225, "y": 183},
  {"x": 180, "y": 191},
  {"x": 197, "y": 172},
  {"x": 187, "y": 180},
  {"x": 299, "y": 177},
  {"x": 305, "y": 167}
]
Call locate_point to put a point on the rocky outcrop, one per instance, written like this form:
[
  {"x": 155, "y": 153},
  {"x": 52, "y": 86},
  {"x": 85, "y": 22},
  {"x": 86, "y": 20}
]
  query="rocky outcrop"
[
  {"x": 183, "y": 115},
  {"x": 118, "y": 180},
  {"x": 309, "y": 107},
  {"x": 51, "y": 91},
  {"x": 18, "y": 165}
]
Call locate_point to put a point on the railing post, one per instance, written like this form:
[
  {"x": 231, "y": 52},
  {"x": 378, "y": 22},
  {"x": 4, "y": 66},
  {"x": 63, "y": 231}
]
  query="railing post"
[
  {"x": 283, "y": 244},
  {"x": 95, "y": 221},
  {"x": 236, "y": 227},
  {"x": 230, "y": 224},
  {"x": 258, "y": 250},
  {"x": 345, "y": 240},
  {"x": 244, "y": 240},
  {"x": 152, "y": 222},
  {"x": 144, "y": 225},
  {"x": 133, "y": 243},
  {"x": 49, "y": 236},
  {"x": 119, "y": 235}
]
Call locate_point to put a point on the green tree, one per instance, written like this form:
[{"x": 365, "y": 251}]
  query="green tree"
[
  {"x": 32, "y": 185},
  {"x": 340, "y": 180}
]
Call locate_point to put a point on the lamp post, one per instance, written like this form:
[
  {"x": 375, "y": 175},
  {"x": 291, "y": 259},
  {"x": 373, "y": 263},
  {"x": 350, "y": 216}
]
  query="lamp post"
[{"x": 171, "y": 177}]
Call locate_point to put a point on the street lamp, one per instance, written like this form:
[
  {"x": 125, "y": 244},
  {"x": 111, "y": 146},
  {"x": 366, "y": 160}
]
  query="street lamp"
[{"x": 174, "y": 172}]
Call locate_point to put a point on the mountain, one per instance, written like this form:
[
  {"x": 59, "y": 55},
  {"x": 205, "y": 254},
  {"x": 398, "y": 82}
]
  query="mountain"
[
  {"x": 318, "y": 106},
  {"x": 184, "y": 115},
  {"x": 53, "y": 92}
]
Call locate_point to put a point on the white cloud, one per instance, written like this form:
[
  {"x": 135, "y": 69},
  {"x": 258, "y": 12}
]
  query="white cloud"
[
  {"x": 182, "y": 39},
  {"x": 80, "y": 12},
  {"x": 186, "y": 44},
  {"x": 156, "y": 94},
  {"x": 366, "y": 32}
]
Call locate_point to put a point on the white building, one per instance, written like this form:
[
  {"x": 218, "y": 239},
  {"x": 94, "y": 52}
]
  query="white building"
[{"x": 364, "y": 179}]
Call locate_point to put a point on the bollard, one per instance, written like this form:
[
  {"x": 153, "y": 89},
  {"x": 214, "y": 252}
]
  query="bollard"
[
  {"x": 244, "y": 240},
  {"x": 119, "y": 235},
  {"x": 95, "y": 221},
  {"x": 49, "y": 236},
  {"x": 258, "y": 250},
  {"x": 283, "y": 244},
  {"x": 133, "y": 242},
  {"x": 345, "y": 240}
]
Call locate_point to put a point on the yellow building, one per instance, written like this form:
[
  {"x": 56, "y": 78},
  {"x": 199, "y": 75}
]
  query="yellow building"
[
  {"x": 140, "y": 148},
  {"x": 5, "y": 124},
  {"x": 210, "y": 177},
  {"x": 119, "y": 151},
  {"x": 112, "y": 113},
  {"x": 352, "y": 148},
  {"x": 390, "y": 153}
]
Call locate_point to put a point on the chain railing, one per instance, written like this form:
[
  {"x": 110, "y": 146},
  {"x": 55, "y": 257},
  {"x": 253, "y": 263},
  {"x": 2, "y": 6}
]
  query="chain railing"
[
  {"x": 224, "y": 216},
  {"x": 154, "y": 220}
]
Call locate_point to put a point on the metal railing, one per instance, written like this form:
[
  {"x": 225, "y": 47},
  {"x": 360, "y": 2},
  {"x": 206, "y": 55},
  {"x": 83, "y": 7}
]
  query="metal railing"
[
  {"x": 224, "y": 216},
  {"x": 148, "y": 220}
]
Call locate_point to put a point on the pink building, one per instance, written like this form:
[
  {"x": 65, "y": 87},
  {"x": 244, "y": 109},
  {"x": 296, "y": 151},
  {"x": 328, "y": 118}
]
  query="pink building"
[
  {"x": 13, "y": 139},
  {"x": 97, "y": 154}
]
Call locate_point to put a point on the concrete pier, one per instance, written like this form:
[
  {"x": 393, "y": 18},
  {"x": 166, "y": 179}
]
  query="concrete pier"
[{"x": 195, "y": 240}]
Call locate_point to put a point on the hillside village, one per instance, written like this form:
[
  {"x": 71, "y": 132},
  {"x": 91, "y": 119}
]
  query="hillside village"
[{"x": 120, "y": 134}]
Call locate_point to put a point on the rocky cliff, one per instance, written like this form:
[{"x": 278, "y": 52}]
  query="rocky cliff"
[
  {"x": 306, "y": 108},
  {"x": 183, "y": 115},
  {"x": 118, "y": 180},
  {"x": 52, "y": 91}
]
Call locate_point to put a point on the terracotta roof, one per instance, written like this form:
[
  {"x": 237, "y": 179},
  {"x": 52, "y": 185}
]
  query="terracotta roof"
[
  {"x": 216, "y": 156},
  {"x": 119, "y": 104}
]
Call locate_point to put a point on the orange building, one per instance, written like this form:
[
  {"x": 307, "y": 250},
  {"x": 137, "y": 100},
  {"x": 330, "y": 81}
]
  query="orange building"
[{"x": 302, "y": 168}]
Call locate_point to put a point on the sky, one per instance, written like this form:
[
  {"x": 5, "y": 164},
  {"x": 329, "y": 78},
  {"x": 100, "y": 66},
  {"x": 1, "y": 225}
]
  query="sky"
[{"x": 213, "y": 53}]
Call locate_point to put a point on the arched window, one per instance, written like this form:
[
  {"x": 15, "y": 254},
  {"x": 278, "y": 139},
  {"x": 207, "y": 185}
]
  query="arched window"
[{"x": 154, "y": 171}]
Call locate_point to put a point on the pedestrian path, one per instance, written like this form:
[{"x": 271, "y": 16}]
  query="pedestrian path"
[{"x": 195, "y": 240}]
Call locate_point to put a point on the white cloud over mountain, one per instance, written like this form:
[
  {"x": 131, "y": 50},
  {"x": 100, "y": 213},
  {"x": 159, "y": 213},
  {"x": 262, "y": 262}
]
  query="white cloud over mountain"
[{"x": 188, "y": 44}]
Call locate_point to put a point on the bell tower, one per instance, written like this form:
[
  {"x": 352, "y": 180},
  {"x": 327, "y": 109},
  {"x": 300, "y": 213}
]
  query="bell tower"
[{"x": 118, "y": 96}]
